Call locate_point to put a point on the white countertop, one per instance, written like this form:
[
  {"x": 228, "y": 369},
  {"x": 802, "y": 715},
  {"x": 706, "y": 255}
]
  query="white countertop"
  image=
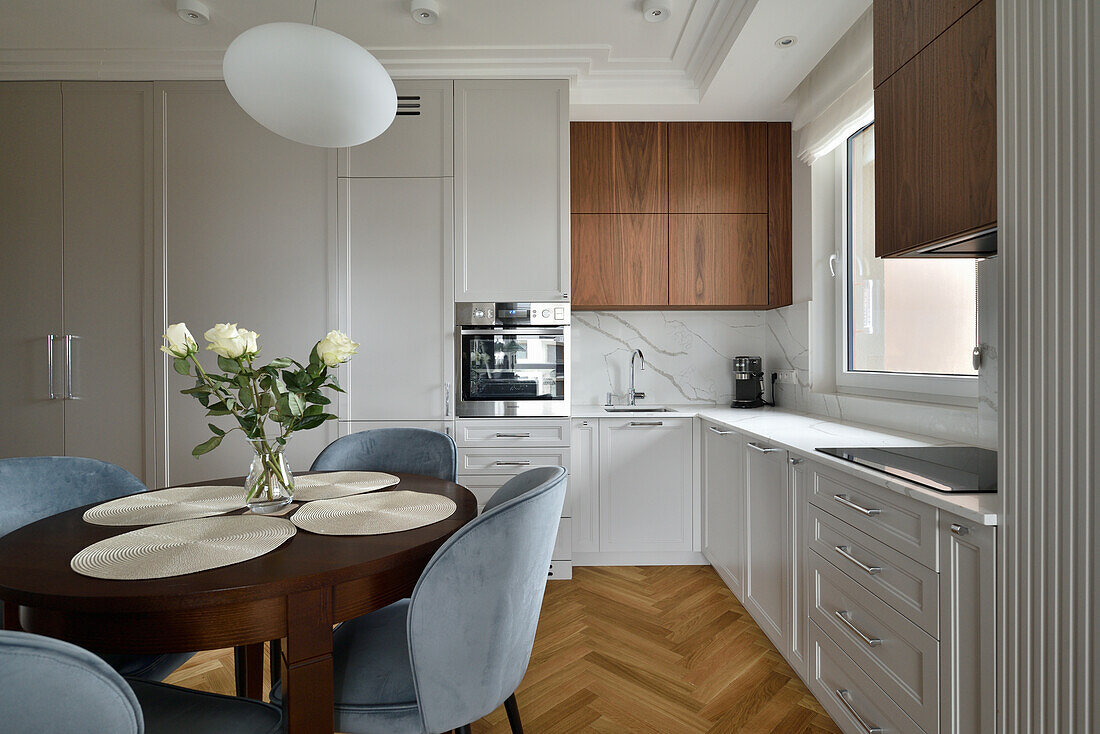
[{"x": 803, "y": 434}]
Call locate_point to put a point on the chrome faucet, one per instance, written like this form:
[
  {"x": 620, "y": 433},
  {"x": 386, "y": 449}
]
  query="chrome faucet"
[{"x": 634, "y": 394}]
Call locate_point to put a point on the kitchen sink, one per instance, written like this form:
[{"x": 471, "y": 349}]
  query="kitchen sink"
[{"x": 636, "y": 409}]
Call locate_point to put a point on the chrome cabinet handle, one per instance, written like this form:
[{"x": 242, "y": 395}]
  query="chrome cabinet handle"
[
  {"x": 795, "y": 461},
  {"x": 843, "y": 695},
  {"x": 647, "y": 423},
  {"x": 69, "y": 367},
  {"x": 513, "y": 435},
  {"x": 867, "y": 639},
  {"x": 513, "y": 463},
  {"x": 959, "y": 530},
  {"x": 869, "y": 570},
  {"x": 49, "y": 365},
  {"x": 446, "y": 399},
  {"x": 868, "y": 511},
  {"x": 762, "y": 449},
  {"x": 712, "y": 429}
]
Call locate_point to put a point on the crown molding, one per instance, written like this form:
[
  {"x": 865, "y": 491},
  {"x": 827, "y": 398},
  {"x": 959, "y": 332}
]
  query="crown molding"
[{"x": 595, "y": 75}]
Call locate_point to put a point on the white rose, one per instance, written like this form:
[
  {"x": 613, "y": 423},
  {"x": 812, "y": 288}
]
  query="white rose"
[
  {"x": 226, "y": 340},
  {"x": 336, "y": 348},
  {"x": 180, "y": 342},
  {"x": 251, "y": 348}
]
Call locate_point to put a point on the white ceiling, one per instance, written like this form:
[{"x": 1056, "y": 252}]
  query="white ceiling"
[{"x": 713, "y": 59}]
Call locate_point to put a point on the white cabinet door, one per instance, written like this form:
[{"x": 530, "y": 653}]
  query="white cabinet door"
[
  {"x": 512, "y": 190},
  {"x": 243, "y": 220},
  {"x": 31, "y": 220},
  {"x": 767, "y": 560},
  {"x": 724, "y": 503},
  {"x": 108, "y": 134},
  {"x": 395, "y": 245},
  {"x": 419, "y": 143},
  {"x": 584, "y": 487},
  {"x": 645, "y": 484},
  {"x": 968, "y": 626},
  {"x": 797, "y": 547}
]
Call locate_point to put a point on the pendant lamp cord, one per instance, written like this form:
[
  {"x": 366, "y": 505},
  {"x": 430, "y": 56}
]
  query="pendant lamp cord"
[{"x": 314, "y": 12}]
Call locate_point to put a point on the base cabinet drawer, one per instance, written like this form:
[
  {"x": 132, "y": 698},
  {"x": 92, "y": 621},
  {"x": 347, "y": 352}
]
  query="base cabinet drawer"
[
  {"x": 509, "y": 461},
  {"x": 849, "y": 695},
  {"x": 898, "y": 521},
  {"x": 904, "y": 584},
  {"x": 901, "y": 658},
  {"x": 512, "y": 433}
]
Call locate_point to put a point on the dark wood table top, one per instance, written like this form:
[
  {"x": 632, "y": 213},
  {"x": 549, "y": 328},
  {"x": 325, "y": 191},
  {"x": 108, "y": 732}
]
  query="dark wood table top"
[{"x": 35, "y": 571}]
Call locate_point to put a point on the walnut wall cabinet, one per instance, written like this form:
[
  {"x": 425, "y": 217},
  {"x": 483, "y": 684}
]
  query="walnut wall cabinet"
[
  {"x": 935, "y": 126},
  {"x": 692, "y": 215}
]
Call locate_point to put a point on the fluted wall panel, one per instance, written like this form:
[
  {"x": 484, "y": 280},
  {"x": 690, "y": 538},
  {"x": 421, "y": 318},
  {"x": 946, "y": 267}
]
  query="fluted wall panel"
[{"x": 1049, "y": 617}]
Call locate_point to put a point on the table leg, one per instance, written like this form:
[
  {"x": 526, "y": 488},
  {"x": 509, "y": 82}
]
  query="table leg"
[
  {"x": 307, "y": 662},
  {"x": 248, "y": 664},
  {"x": 11, "y": 616}
]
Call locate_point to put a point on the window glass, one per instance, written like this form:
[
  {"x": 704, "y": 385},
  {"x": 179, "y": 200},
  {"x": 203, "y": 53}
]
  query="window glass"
[{"x": 916, "y": 316}]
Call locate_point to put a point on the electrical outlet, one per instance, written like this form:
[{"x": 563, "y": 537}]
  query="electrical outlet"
[{"x": 787, "y": 377}]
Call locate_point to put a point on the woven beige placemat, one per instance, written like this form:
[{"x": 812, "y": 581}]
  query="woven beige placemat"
[
  {"x": 167, "y": 505},
  {"x": 374, "y": 514},
  {"x": 188, "y": 546},
  {"x": 331, "y": 485}
]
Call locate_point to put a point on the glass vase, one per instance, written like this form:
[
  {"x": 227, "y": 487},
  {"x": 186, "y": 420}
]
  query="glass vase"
[{"x": 270, "y": 485}]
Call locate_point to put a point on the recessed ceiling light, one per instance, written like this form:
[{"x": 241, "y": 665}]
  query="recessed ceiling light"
[
  {"x": 194, "y": 12},
  {"x": 786, "y": 41},
  {"x": 424, "y": 12},
  {"x": 655, "y": 11}
]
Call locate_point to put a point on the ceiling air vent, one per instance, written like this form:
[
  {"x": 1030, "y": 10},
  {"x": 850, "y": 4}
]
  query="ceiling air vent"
[{"x": 408, "y": 105}]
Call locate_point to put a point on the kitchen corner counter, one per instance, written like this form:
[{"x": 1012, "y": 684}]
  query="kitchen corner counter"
[{"x": 803, "y": 434}]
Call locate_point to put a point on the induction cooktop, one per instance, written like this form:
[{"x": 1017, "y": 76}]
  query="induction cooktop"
[{"x": 942, "y": 468}]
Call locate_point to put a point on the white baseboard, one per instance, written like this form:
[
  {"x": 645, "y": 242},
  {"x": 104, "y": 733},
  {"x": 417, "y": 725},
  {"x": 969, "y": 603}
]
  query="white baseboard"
[{"x": 640, "y": 558}]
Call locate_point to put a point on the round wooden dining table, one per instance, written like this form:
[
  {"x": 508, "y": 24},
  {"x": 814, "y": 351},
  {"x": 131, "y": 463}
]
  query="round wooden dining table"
[{"x": 296, "y": 594}]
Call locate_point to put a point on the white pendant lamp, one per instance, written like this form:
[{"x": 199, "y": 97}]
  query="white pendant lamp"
[{"x": 309, "y": 84}]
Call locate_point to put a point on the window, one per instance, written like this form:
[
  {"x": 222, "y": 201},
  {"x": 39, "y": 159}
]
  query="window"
[{"x": 909, "y": 325}]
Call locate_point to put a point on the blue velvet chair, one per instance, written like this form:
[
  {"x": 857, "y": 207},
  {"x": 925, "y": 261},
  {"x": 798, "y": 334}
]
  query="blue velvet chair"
[
  {"x": 459, "y": 646},
  {"x": 47, "y": 685},
  {"x": 36, "y": 487},
  {"x": 401, "y": 450}
]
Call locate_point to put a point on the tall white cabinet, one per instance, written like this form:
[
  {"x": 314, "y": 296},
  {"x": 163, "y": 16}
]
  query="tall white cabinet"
[
  {"x": 511, "y": 190},
  {"x": 245, "y": 233},
  {"x": 74, "y": 193},
  {"x": 395, "y": 284}
]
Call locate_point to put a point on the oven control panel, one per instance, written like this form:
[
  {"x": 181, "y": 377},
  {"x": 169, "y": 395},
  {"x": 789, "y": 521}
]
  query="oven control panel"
[{"x": 511, "y": 314}]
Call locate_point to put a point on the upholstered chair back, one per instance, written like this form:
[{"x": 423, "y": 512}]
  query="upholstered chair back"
[{"x": 401, "y": 450}]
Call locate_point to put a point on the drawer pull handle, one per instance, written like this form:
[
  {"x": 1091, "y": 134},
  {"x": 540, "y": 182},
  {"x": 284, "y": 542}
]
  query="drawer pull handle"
[
  {"x": 843, "y": 499},
  {"x": 513, "y": 435},
  {"x": 647, "y": 423},
  {"x": 513, "y": 463},
  {"x": 959, "y": 530},
  {"x": 761, "y": 449},
  {"x": 844, "y": 696},
  {"x": 869, "y": 570},
  {"x": 712, "y": 429},
  {"x": 867, "y": 639},
  {"x": 795, "y": 461}
]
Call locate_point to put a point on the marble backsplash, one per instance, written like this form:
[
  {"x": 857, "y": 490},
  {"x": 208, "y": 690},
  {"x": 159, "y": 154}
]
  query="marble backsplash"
[{"x": 688, "y": 354}]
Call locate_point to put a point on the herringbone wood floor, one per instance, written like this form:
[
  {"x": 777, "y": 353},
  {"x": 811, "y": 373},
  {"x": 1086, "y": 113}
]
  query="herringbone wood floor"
[{"x": 662, "y": 649}]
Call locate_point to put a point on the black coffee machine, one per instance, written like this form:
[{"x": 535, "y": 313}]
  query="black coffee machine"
[{"x": 748, "y": 382}]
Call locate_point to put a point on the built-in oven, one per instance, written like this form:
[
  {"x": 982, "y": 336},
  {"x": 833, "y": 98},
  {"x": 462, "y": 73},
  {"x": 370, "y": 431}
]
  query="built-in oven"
[{"x": 513, "y": 359}]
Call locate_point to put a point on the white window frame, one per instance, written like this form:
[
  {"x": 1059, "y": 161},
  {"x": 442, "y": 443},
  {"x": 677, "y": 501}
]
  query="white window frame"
[{"x": 945, "y": 389}]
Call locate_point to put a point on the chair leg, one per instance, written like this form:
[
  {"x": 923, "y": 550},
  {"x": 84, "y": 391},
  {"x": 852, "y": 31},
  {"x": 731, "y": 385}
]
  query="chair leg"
[
  {"x": 276, "y": 662},
  {"x": 463, "y": 729},
  {"x": 238, "y": 670},
  {"x": 512, "y": 707}
]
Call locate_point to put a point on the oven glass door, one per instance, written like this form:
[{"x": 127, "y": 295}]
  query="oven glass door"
[{"x": 513, "y": 365}]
